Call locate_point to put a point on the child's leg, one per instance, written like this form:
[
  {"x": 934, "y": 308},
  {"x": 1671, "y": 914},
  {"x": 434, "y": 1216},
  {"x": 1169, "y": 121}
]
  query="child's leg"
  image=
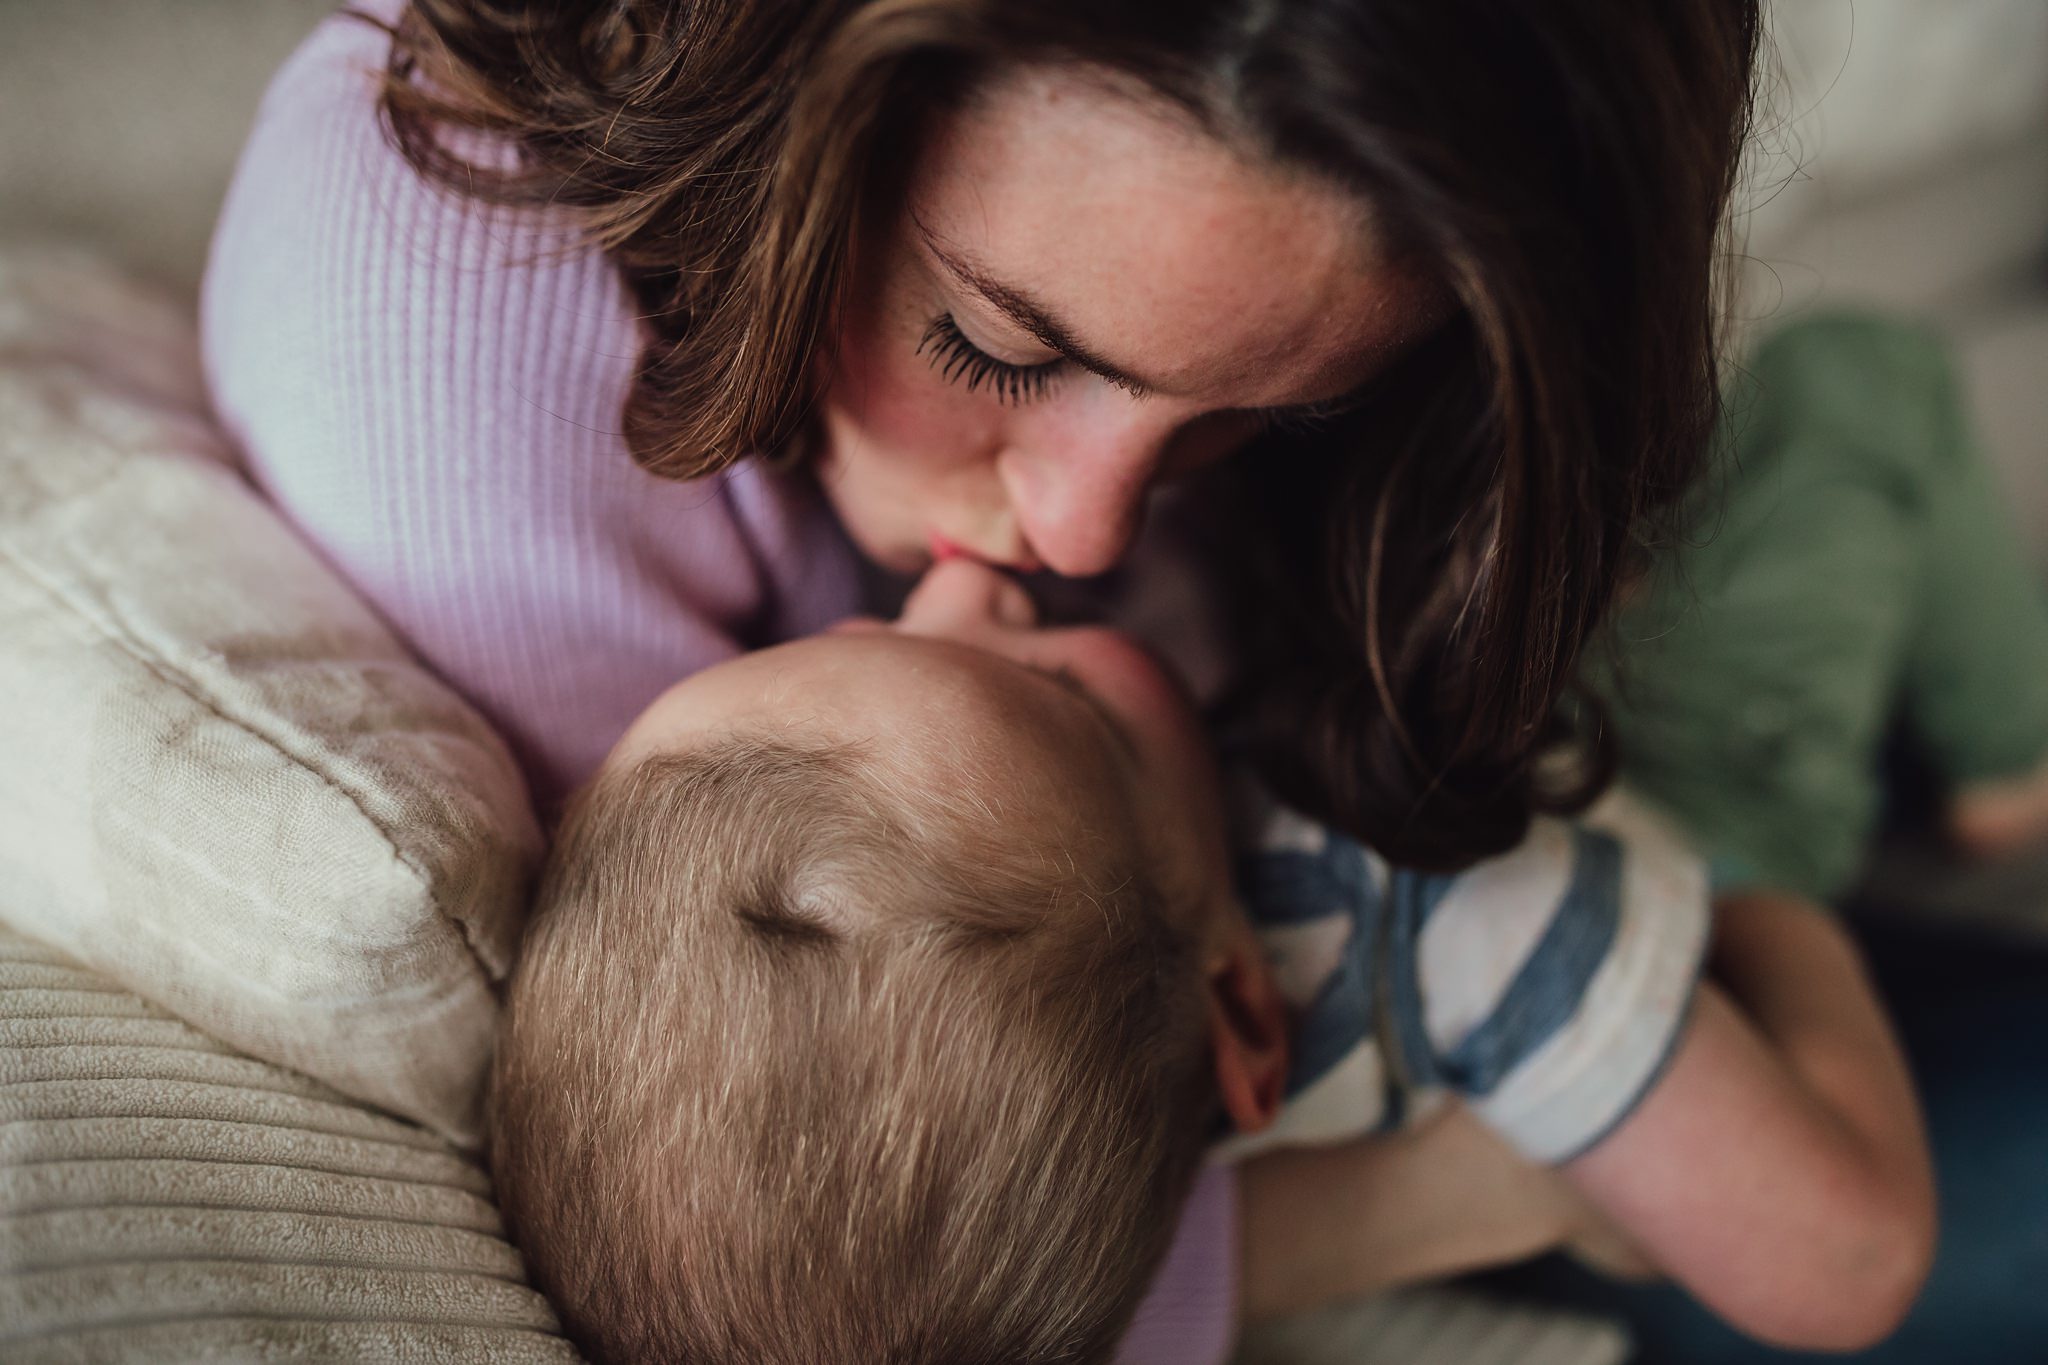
[
  {"x": 1976, "y": 666},
  {"x": 1853, "y": 561},
  {"x": 1758, "y": 670}
]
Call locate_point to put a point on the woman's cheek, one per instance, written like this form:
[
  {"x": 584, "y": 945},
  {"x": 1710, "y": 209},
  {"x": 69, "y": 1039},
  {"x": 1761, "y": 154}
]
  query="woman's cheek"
[
  {"x": 920, "y": 425},
  {"x": 907, "y": 455}
]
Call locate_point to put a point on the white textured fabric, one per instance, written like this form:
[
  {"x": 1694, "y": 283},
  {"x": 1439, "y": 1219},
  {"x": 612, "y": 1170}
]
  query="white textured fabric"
[
  {"x": 162, "y": 1200},
  {"x": 226, "y": 785},
  {"x": 1434, "y": 1327}
]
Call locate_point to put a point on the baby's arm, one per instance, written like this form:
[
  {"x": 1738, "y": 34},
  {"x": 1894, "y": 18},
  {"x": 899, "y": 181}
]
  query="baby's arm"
[{"x": 1778, "y": 1170}]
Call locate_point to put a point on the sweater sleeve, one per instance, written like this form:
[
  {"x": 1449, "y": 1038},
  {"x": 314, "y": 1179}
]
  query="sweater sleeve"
[{"x": 431, "y": 391}]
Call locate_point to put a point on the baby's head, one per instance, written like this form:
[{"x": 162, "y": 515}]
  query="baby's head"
[{"x": 879, "y": 1000}]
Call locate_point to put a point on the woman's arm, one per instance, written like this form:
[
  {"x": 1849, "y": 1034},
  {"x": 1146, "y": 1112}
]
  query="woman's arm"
[
  {"x": 1779, "y": 1170},
  {"x": 1327, "y": 1223},
  {"x": 430, "y": 389}
]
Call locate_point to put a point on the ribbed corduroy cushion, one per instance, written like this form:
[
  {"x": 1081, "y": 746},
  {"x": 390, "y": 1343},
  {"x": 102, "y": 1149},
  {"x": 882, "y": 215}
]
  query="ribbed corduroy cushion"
[{"x": 163, "y": 1198}]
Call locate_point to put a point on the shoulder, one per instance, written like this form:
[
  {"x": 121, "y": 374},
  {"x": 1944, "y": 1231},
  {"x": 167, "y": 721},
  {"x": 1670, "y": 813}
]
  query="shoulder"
[
  {"x": 340, "y": 283},
  {"x": 326, "y": 224},
  {"x": 327, "y": 88},
  {"x": 1543, "y": 986},
  {"x": 1555, "y": 980},
  {"x": 431, "y": 390}
]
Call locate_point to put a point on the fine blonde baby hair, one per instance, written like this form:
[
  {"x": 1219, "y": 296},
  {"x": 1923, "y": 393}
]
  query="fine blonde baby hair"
[{"x": 802, "y": 1065}]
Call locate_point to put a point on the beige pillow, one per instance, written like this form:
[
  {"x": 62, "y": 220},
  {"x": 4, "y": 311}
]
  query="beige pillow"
[{"x": 223, "y": 782}]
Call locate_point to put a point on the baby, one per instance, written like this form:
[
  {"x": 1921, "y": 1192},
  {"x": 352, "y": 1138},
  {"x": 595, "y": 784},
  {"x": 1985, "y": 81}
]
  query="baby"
[{"x": 887, "y": 989}]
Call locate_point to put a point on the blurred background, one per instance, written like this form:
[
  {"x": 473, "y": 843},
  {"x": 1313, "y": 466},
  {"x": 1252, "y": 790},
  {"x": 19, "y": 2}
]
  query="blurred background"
[{"x": 1902, "y": 160}]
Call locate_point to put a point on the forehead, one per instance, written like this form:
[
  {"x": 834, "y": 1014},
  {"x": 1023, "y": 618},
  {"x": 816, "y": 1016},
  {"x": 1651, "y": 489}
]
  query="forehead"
[
  {"x": 941, "y": 716},
  {"x": 1177, "y": 257}
]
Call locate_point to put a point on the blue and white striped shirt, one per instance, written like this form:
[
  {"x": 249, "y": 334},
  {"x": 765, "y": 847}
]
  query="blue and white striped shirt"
[{"x": 1545, "y": 987}]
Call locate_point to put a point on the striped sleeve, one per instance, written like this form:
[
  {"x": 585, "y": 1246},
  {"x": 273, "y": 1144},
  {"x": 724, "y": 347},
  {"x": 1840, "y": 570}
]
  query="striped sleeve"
[{"x": 1547, "y": 987}]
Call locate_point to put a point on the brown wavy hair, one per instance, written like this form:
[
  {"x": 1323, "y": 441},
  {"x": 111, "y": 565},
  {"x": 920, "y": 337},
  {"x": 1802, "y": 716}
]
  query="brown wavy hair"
[{"x": 1564, "y": 164}]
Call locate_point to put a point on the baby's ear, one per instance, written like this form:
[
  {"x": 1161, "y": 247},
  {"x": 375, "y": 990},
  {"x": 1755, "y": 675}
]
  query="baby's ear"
[{"x": 1248, "y": 1034}]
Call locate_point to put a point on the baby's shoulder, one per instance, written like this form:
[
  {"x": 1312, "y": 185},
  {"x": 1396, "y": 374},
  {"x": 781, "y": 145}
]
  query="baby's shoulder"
[{"x": 1543, "y": 982}]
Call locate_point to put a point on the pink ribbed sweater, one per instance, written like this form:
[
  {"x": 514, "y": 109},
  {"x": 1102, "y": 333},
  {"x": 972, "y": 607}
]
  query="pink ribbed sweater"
[{"x": 431, "y": 392}]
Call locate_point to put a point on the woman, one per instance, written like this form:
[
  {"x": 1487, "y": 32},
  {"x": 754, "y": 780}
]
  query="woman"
[{"x": 771, "y": 289}]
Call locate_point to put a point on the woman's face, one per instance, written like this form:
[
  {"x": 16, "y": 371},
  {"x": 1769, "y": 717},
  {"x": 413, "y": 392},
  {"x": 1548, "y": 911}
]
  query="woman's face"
[{"x": 1084, "y": 294}]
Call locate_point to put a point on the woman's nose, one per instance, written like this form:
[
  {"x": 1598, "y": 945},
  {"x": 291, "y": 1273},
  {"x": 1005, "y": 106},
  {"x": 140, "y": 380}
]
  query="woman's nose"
[
  {"x": 958, "y": 597},
  {"x": 1080, "y": 505}
]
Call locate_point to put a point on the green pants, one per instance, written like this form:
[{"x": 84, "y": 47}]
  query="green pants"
[{"x": 1848, "y": 565}]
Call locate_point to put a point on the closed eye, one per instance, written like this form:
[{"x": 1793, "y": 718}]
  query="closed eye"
[{"x": 959, "y": 360}]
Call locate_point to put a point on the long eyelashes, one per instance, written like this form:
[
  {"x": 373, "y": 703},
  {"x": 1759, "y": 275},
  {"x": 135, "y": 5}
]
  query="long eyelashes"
[{"x": 959, "y": 360}]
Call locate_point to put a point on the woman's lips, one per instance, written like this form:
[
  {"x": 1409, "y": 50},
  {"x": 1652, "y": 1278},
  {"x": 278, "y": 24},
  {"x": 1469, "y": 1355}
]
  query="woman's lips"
[{"x": 944, "y": 548}]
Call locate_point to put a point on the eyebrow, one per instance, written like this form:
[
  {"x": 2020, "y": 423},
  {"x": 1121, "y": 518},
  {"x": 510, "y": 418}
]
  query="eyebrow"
[
  {"x": 1032, "y": 316},
  {"x": 1039, "y": 321}
]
